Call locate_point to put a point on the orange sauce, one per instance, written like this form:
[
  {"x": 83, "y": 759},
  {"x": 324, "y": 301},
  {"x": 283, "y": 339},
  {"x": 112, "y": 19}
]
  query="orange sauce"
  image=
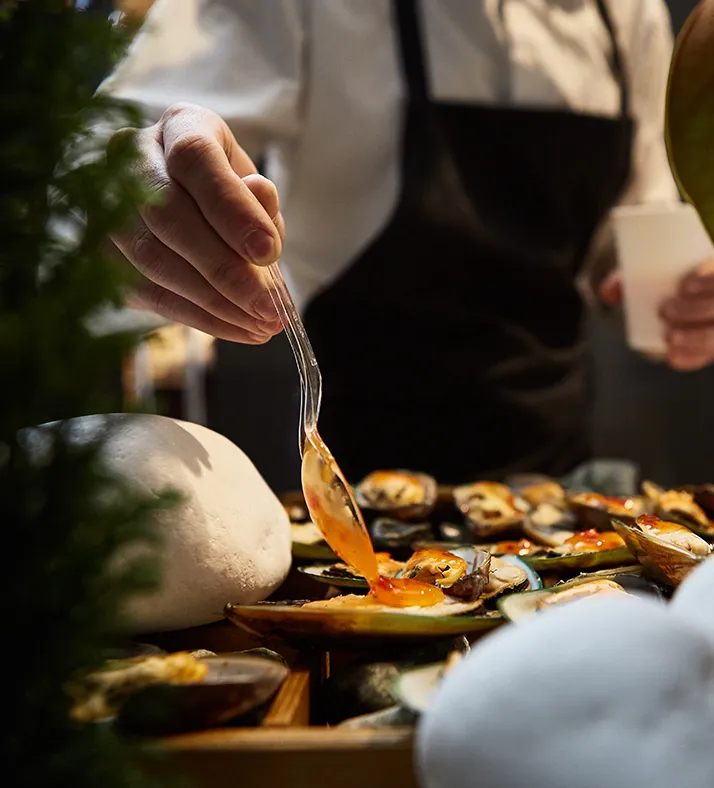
[
  {"x": 335, "y": 512},
  {"x": 592, "y": 540},
  {"x": 448, "y": 560},
  {"x": 521, "y": 547},
  {"x": 608, "y": 502},
  {"x": 655, "y": 525}
]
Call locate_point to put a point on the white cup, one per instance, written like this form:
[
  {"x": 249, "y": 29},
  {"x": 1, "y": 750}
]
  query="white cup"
[{"x": 656, "y": 246}]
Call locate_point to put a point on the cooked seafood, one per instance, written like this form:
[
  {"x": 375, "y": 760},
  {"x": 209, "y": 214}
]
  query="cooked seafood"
[
  {"x": 401, "y": 493},
  {"x": 386, "y": 565},
  {"x": 668, "y": 550},
  {"x": 590, "y": 541},
  {"x": 520, "y": 547},
  {"x": 452, "y": 573},
  {"x": 504, "y": 576},
  {"x": 596, "y": 511},
  {"x": 680, "y": 506},
  {"x": 582, "y": 591},
  {"x": 489, "y": 507},
  {"x": 449, "y": 607},
  {"x": 99, "y": 695},
  {"x": 543, "y": 492},
  {"x": 674, "y": 534}
]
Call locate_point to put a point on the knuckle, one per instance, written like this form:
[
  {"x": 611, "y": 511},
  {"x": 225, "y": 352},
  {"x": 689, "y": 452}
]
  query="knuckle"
[
  {"x": 188, "y": 151},
  {"x": 230, "y": 275}
]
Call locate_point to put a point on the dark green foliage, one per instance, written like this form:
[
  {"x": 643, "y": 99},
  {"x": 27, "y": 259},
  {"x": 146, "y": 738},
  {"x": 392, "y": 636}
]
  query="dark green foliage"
[{"x": 62, "y": 514}]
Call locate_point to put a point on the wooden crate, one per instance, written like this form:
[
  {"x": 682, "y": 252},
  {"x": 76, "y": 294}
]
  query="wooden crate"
[{"x": 287, "y": 749}]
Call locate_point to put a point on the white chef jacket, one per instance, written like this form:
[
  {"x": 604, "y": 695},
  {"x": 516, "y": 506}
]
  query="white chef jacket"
[{"x": 315, "y": 87}]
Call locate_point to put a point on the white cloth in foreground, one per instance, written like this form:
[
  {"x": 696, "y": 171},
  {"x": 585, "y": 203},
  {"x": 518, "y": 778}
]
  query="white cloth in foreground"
[{"x": 602, "y": 692}]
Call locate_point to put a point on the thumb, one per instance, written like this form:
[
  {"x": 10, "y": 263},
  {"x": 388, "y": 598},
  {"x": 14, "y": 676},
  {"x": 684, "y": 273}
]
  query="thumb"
[{"x": 610, "y": 290}]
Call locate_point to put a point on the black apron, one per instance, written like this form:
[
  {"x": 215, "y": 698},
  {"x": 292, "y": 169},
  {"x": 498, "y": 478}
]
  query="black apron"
[{"x": 454, "y": 345}]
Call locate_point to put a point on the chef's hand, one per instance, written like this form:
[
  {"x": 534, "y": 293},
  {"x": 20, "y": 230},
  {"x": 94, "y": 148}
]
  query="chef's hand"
[
  {"x": 688, "y": 316},
  {"x": 217, "y": 220}
]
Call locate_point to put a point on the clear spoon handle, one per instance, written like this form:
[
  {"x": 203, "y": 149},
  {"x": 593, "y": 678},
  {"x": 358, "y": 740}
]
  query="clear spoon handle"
[{"x": 310, "y": 377}]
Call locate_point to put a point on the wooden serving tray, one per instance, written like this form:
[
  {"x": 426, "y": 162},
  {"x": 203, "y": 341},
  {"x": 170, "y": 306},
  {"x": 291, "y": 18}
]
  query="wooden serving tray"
[{"x": 287, "y": 749}]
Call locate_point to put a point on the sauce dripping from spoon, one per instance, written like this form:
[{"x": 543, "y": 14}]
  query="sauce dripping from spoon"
[{"x": 334, "y": 511}]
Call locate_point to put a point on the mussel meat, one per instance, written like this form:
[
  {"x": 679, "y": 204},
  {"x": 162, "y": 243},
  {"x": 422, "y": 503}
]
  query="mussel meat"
[
  {"x": 594, "y": 510},
  {"x": 582, "y": 591},
  {"x": 401, "y": 494},
  {"x": 544, "y": 492},
  {"x": 679, "y": 506},
  {"x": 489, "y": 507},
  {"x": 452, "y": 573},
  {"x": 590, "y": 541},
  {"x": 669, "y": 550},
  {"x": 505, "y": 576}
]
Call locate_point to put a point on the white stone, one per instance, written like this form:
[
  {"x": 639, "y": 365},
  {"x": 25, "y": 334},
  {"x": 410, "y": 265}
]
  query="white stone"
[
  {"x": 603, "y": 692},
  {"x": 229, "y": 538},
  {"x": 693, "y": 601}
]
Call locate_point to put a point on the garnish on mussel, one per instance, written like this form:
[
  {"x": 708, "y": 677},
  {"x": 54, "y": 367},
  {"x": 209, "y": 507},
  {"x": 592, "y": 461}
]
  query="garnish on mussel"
[
  {"x": 668, "y": 550},
  {"x": 401, "y": 494},
  {"x": 454, "y": 574},
  {"x": 594, "y": 510},
  {"x": 489, "y": 507},
  {"x": 681, "y": 507}
]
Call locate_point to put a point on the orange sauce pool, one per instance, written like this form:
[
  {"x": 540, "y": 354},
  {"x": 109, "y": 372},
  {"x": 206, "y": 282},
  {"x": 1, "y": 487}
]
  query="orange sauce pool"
[
  {"x": 591, "y": 540},
  {"x": 608, "y": 502},
  {"x": 521, "y": 547},
  {"x": 334, "y": 511},
  {"x": 655, "y": 525}
]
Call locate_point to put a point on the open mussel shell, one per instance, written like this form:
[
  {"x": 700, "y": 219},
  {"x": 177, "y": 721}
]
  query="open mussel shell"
[
  {"x": 232, "y": 688},
  {"x": 489, "y": 508},
  {"x": 703, "y": 496},
  {"x": 308, "y": 544},
  {"x": 399, "y": 494},
  {"x": 469, "y": 586},
  {"x": 397, "y": 537},
  {"x": 618, "y": 556},
  {"x": 670, "y": 555},
  {"x": 680, "y": 506},
  {"x": 625, "y": 580},
  {"x": 550, "y": 524},
  {"x": 328, "y": 574},
  {"x": 594, "y": 510},
  {"x": 344, "y": 625},
  {"x": 509, "y": 574},
  {"x": 416, "y": 687},
  {"x": 556, "y": 537}
]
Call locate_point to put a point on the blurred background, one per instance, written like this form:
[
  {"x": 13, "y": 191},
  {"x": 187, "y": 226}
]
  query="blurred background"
[{"x": 643, "y": 411}]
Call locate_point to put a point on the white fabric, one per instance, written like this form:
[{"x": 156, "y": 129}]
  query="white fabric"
[{"x": 316, "y": 86}]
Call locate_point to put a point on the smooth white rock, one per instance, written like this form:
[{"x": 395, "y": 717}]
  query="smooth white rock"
[
  {"x": 603, "y": 692},
  {"x": 693, "y": 601},
  {"x": 229, "y": 538}
]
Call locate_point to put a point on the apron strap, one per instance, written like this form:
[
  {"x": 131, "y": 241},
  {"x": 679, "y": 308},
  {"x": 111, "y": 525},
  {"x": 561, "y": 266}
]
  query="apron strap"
[
  {"x": 410, "y": 38},
  {"x": 618, "y": 60}
]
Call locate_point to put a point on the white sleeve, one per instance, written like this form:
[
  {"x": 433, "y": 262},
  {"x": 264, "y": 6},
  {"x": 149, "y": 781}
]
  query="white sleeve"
[
  {"x": 647, "y": 61},
  {"x": 241, "y": 58},
  {"x": 647, "y": 51}
]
